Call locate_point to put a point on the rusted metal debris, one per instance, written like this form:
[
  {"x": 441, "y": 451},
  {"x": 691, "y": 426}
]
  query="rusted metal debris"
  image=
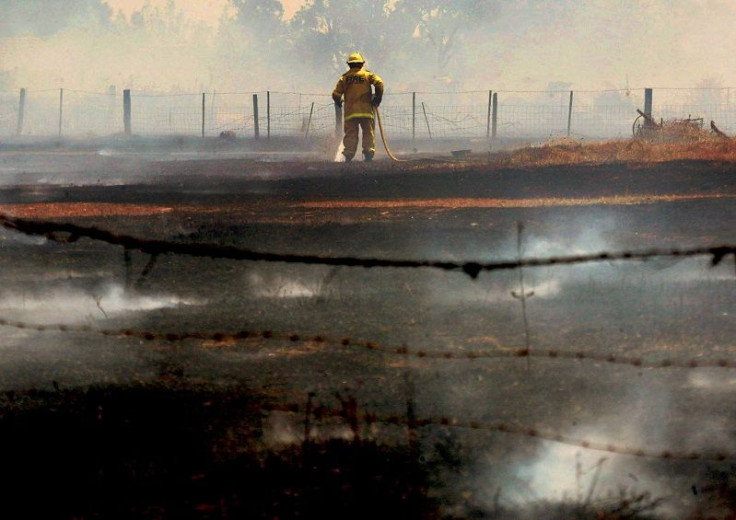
[
  {"x": 646, "y": 127},
  {"x": 717, "y": 131}
]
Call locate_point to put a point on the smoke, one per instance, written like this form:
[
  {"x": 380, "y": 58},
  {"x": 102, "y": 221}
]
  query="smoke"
[
  {"x": 339, "y": 157},
  {"x": 512, "y": 45},
  {"x": 282, "y": 287},
  {"x": 71, "y": 304},
  {"x": 529, "y": 470}
]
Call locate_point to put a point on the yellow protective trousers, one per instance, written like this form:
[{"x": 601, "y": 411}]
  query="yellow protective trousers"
[{"x": 350, "y": 141}]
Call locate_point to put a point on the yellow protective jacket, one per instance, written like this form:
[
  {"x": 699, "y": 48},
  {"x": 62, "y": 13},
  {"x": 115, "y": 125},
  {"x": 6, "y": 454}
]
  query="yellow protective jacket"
[{"x": 355, "y": 85}]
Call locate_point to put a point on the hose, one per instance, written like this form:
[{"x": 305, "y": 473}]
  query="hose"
[{"x": 383, "y": 138}]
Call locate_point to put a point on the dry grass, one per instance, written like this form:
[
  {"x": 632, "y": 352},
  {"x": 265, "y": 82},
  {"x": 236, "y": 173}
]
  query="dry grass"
[
  {"x": 536, "y": 202},
  {"x": 672, "y": 143},
  {"x": 81, "y": 209}
]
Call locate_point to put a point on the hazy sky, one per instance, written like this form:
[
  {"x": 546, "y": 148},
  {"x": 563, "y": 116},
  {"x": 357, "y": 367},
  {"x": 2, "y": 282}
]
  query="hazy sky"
[
  {"x": 206, "y": 10},
  {"x": 522, "y": 45}
]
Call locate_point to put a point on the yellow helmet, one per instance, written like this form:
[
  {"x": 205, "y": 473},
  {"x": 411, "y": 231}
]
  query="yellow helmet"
[{"x": 355, "y": 57}]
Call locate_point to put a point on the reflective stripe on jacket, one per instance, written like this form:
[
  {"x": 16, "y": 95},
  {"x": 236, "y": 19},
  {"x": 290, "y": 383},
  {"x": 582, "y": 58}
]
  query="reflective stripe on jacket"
[{"x": 355, "y": 85}]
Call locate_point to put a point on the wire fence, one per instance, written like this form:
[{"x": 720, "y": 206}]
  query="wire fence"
[
  {"x": 316, "y": 415},
  {"x": 66, "y": 233},
  {"x": 534, "y": 115},
  {"x": 224, "y": 337}
]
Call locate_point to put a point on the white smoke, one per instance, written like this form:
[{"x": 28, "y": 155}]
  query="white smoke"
[
  {"x": 512, "y": 46},
  {"x": 74, "y": 305}
]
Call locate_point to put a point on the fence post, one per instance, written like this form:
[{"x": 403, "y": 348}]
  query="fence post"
[
  {"x": 213, "y": 114},
  {"x": 309, "y": 121},
  {"x": 488, "y": 118},
  {"x": 648, "y": 101},
  {"x": 126, "y": 111},
  {"x": 413, "y": 116},
  {"x": 569, "y": 115},
  {"x": 255, "y": 116},
  {"x": 494, "y": 117},
  {"x": 21, "y": 111},
  {"x": 426, "y": 120},
  {"x": 203, "y": 113},
  {"x": 61, "y": 108},
  {"x": 268, "y": 114}
]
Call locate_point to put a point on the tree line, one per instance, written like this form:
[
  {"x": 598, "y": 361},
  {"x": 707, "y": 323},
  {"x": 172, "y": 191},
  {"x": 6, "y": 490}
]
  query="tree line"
[
  {"x": 396, "y": 36},
  {"x": 413, "y": 44}
]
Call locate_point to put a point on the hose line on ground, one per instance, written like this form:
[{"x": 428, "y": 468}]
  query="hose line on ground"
[{"x": 383, "y": 138}]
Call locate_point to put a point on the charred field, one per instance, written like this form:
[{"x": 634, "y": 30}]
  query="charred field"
[{"x": 236, "y": 338}]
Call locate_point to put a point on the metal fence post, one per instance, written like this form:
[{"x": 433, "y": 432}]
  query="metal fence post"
[
  {"x": 21, "y": 111},
  {"x": 203, "y": 113},
  {"x": 426, "y": 120},
  {"x": 61, "y": 108},
  {"x": 494, "y": 116},
  {"x": 309, "y": 121},
  {"x": 268, "y": 114},
  {"x": 488, "y": 118},
  {"x": 413, "y": 116},
  {"x": 127, "y": 112},
  {"x": 255, "y": 116},
  {"x": 569, "y": 115}
]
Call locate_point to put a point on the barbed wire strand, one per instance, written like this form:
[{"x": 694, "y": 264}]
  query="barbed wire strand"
[
  {"x": 558, "y": 438},
  {"x": 51, "y": 230},
  {"x": 403, "y": 350},
  {"x": 351, "y": 415},
  {"x": 209, "y": 91},
  {"x": 320, "y": 412}
]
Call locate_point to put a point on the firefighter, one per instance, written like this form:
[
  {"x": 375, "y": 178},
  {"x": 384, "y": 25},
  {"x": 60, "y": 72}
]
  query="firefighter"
[{"x": 355, "y": 87}]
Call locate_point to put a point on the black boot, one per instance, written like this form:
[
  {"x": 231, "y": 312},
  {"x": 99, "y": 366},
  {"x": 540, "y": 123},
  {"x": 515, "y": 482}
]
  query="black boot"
[{"x": 368, "y": 156}]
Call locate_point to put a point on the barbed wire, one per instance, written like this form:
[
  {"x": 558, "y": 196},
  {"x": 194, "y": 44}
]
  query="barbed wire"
[
  {"x": 403, "y": 350},
  {"x": 44, "y": 90},
  {"x": 315, "y": 94},
  {"x": 350, "y": 414},
  {"x": 93, "y": 93},
  {"x": 147, "y": 94},
  {"x": 549, "y": 436},
  {"x": 51, "y": 231},
  {"x": 210, "y": 92},
  {"x": 353, "y": 418}
]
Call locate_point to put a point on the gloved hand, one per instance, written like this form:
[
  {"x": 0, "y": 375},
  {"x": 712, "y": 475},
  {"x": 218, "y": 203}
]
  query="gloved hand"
[
  {"x": 338, "y": 103},
  {"x": 376, "y": 100}
]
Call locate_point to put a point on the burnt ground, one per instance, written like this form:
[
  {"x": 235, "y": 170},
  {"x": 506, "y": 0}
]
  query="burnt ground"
[{"x": 139, "y": 425}]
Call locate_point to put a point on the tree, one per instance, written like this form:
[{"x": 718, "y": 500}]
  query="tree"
[
  {"x": 324, "y": 32},
  {"x": 442, "y": 25},
  {"x": 260, "y": 20},
  {"x": 162, "y": 24}
]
